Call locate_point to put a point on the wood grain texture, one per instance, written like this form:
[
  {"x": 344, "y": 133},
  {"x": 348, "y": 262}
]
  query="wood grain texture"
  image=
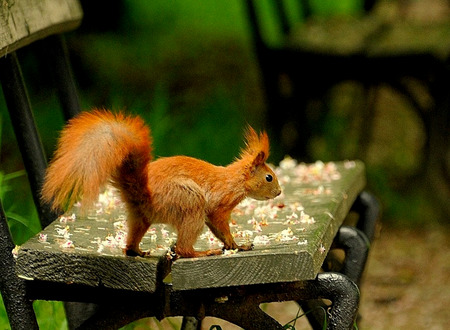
[
  {"x": 25, "y": 21},
  {"x": 88, "y": 269},
  {"x": 88, "y": 251},
  {"x": 292, "y": 235}
]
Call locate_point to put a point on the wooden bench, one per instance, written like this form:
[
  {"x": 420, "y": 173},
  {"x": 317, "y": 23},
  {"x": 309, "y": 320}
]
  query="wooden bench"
[
  {"x": 291, "y": 237},
  {"x": 76, "y": 259},
  {"x": 382, "y": 46},
  {"x": 291, "y": 234}
]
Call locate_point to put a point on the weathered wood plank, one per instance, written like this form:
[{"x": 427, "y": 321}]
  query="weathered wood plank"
[
  {"x": 25, "y": 21},
  {"x": 91, "y": 270},
  {"x": 292, "y": 235},
  {"x": 372, "y": 36},
  {"x": 88, "y": 251}
]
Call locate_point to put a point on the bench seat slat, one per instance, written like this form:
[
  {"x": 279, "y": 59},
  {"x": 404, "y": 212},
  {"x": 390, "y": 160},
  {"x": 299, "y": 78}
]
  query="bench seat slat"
[
  {"x": 289, "y": 245},
  {"x": 80, "y": 252}
]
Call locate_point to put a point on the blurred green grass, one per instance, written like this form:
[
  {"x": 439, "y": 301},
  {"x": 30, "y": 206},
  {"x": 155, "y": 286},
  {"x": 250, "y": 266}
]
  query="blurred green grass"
[{"x": 189, "y": 69}]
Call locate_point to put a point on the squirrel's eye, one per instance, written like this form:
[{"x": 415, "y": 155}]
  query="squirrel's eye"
[{"x": 269, "y": 178}]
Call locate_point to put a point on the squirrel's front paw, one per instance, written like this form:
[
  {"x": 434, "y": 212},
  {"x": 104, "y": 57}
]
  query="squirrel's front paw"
[
  {"x": 134, "y": 253},
  {"x": 245, "y": 247},
  {"x": 234, "y": 246}
]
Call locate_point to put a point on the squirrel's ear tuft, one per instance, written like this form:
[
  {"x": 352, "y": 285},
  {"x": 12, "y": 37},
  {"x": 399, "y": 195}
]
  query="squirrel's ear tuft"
[
  {"x": 256, "y": 150},
  {"x": 257, "y": 146}
]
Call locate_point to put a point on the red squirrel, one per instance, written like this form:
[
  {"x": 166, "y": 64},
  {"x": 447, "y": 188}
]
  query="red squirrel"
[{"x": 181, "y": 191}]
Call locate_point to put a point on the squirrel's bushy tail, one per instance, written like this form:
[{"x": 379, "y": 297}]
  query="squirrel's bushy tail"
[{"x": 94, "y": 147}]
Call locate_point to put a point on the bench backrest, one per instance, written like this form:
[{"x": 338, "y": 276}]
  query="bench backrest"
[
  {"x": 283, "y": 20},
  {"x": 23, "y": 22}
]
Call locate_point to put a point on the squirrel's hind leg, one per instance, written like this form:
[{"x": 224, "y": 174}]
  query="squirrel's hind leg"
[
  {"x": 137, "y": 227},
  {"x": 184, "y": 206},
  {"x": 188, "y": 232}
]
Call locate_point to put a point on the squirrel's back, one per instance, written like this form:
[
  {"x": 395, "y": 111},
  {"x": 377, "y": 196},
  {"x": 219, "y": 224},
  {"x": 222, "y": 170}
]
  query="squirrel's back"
[{"x": 94, "y": 147}]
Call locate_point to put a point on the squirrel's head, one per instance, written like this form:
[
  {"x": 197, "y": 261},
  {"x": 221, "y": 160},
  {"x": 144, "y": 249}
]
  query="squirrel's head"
[{"x": 261, "y": 182}]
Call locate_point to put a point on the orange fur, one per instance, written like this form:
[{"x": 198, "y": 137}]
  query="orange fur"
[{"x": 181, "y": 191}]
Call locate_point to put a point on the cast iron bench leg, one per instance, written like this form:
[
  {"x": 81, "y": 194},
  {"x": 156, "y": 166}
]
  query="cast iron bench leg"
[
  {"x": 19, "y": 308},
  {"x": 356, "y": 246},
  {"x": 247, "y": 315},
  {"x": 368, "y": 208},
  {"x": 336, "y": 287},
  {"x": 344, "y": 295}
]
